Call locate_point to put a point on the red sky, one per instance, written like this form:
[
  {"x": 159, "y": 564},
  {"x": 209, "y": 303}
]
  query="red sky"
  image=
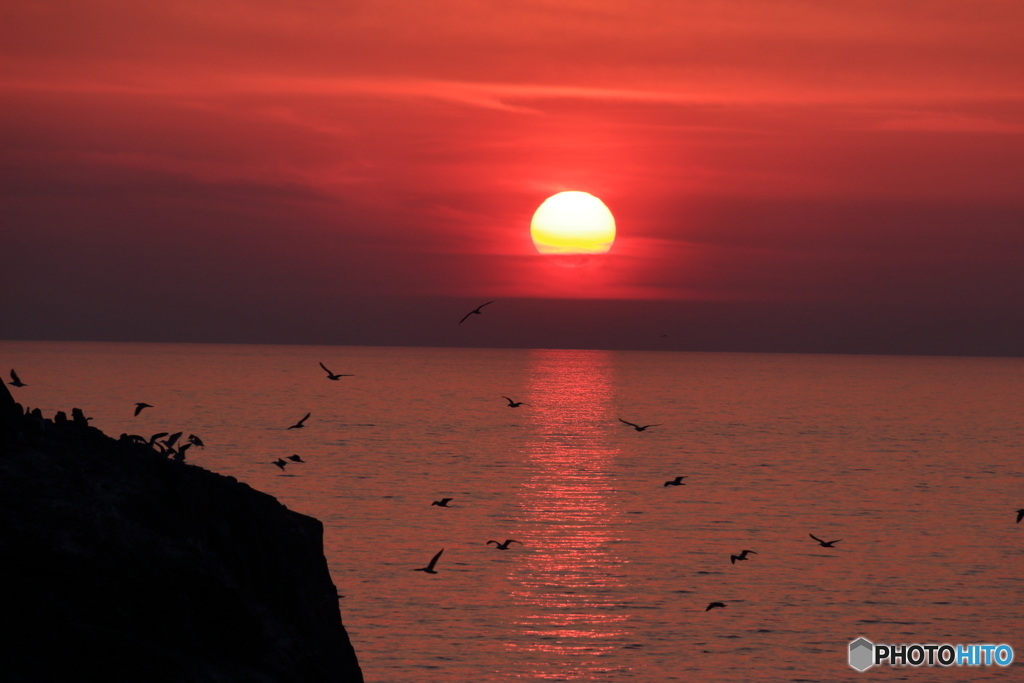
[{"x": 242, "y": 166}]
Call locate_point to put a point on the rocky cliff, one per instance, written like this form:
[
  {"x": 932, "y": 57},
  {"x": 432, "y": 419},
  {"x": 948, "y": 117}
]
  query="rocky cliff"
[{"x": 120, "y": 563}]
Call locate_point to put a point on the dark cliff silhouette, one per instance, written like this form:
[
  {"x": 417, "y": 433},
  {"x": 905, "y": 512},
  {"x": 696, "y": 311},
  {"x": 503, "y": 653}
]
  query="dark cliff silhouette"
[{"x": 122, "y": 564}]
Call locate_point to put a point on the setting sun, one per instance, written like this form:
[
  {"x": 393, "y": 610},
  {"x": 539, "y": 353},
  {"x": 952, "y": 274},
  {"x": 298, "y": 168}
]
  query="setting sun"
[{"x": 573, "y": 223}]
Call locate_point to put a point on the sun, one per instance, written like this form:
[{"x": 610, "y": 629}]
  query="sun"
[{"x": 573, "y": 223}]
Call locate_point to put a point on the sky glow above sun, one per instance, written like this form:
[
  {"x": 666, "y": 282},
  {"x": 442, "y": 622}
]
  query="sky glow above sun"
[
  {"x": 810, "y": 155},
  {"x": 573, "y": 223}
]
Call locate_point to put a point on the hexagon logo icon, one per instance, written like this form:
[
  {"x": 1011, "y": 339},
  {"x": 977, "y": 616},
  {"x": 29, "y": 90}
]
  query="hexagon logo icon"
[{"x": 862, "y": 653}]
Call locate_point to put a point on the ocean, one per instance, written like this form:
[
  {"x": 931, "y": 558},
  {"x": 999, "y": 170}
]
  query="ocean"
[{"x": 915, "y": 463}]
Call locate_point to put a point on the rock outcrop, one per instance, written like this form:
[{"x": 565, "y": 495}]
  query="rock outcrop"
[{"x": 122, "y": 564}]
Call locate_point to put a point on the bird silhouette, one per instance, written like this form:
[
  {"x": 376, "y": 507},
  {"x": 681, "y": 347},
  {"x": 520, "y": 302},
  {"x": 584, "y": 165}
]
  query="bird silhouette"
[
  {"x": 430, "y": 567},
  {"x": 514, "y": 404},
  {"x": 139, "y": 407},
  {"x": 196, "y": 441},
  {"x": 1020, "y": 515},
  {"x": 678, "y": 481},
  {"x": 443, "y": 503},
  {"x": 158, "y": 435},
  {"x": 825, "y": 544},
  {"x": 171, "y": 440},
  {"x": 714, "y": 605},
  {"x": 636, "y": 426},
  {"x": 475, "y": 310},
  {"x": 16, "y": 381},
  {"x": 742, "y": 556},
  {"x": 280, "y": 463},
  {"x": 295, "y": 458},
  {"x": 504, "y": 546},
  {"x": 331, "y": 375},
  {"x": 179, "y": 455},
  {"x": 299, "y": 425}
]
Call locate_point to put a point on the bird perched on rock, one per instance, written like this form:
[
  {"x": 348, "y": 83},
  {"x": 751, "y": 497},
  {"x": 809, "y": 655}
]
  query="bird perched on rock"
[
  {"x": 139, "y": 407},
  {"x": 179, "y": 454}
]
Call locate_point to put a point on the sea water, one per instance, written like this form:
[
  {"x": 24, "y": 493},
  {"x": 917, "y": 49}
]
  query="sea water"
[{"x": 915, "y": 463}]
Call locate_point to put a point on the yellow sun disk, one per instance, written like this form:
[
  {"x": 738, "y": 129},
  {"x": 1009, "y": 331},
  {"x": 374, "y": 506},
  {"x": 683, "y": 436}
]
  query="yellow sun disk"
[{"x": 573, "y": 223}]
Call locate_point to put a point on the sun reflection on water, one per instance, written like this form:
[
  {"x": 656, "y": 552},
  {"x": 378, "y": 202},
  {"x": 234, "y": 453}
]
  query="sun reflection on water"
[{"x": 568, "y": 589}]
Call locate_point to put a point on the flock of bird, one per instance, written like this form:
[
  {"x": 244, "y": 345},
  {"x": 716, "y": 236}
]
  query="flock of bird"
[{"x": 169, "y": 446}]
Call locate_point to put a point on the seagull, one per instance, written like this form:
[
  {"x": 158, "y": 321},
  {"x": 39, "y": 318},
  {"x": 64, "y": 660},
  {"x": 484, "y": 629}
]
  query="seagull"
[
  {"x": 171, "y": 440},
  {"x": 180, "y": 454},
  {"x": 196, "y": 441},
  {"x": 295, "y": 458},
  {"x": 514, "y": 404},
  {"x": 742, "y": 556},
  {"x": 1020, "y": 515},
  {"x": 280, "y": 463},
  {"x": 430, "y": 567},
  {"x": 475, "y": 310},
  {"x": 16, "y": 382},
  {"x": 158, "y": 435},
  {"x": 504, "y": 546},
  {"x": 331, "y": 375},
  {"x": 139, "y": 407},
  {"x": 299, "y": 425},
  {"x": 714, "y": 605},
  {"x": 637, "y": 427},
  {"x": 825, "y": 544},
  {"x": 678, "y": 481},
  {"x": 443, "y": 503}
]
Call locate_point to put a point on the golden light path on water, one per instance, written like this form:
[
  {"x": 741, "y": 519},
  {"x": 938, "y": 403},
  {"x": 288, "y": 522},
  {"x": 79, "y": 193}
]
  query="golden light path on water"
[{"x": 567, "y": 591}]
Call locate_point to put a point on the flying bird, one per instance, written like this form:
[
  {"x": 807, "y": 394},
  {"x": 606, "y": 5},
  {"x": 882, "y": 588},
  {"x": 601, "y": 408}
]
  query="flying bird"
[
  {"x": 714, "y": 605},
  {"x": 678, "y": 481},
  {"x": 171, "y": 440},
  {"x": 16, "y": 381},
  {"x": 825, "y": 544},
  {"x": 280, "y": 463},
  {"x": 331, "y": 375},
  {"x": 430, "y": 567},
  {"x": 1020, "y": 515},
  {"x": 295, "y": 458},
  {"x": 504, "y": 546},
  {"x": 475, "y": 310},
  {"x": 299, "y": 425},
  {"x": 514, "y": 404},
  {"x": 443, "y": 503},
  {"x": 196, "y": 441},
  {"x": 139, "y": 407},
  {"x": 742, "y": 556},
  {"x": 637, "y": 427}
]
